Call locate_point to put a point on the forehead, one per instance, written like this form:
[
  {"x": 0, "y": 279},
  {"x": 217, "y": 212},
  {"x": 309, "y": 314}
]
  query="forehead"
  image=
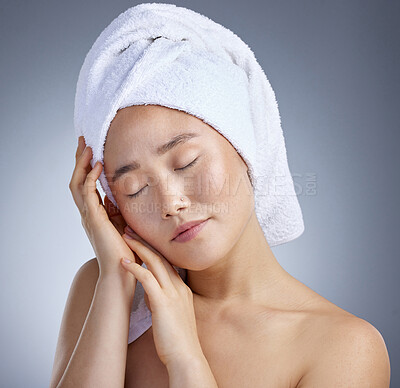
[
  {"x": 139, "y": 129},
  {"x": 150, "y": 124}
]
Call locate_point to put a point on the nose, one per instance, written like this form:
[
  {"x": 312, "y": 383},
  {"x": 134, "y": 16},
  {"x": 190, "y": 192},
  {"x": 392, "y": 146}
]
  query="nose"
[
  {"x": 172, "y": 198},
  {"x": 173, "y": 206}
]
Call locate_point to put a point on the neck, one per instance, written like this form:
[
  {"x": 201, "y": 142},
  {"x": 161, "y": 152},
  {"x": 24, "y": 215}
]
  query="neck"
[{"x": 249, "y": 272}]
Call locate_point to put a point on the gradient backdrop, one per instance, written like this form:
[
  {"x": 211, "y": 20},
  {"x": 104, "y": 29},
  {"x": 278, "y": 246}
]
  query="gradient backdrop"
[{"x": 334, "y": 68}]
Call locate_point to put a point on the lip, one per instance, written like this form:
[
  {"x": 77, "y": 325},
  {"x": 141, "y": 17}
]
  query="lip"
[{"x": 189, "y": 230}]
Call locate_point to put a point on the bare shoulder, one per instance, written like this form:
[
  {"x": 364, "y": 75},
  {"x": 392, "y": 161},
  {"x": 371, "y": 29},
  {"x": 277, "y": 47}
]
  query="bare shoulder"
[
  {"x": 83, "y": 286},
  {"x": 80, "y": 296},
  {"x": 89, "y": 269},
  {"x": 343, "y": 350},
  {"x": 76, "y": 308}
]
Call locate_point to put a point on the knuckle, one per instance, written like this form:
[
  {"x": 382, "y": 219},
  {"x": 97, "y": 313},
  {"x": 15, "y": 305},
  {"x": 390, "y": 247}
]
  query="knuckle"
[
  {"x": 87, "y": 188},
  {"x": 158, "y": 259},
  {"x": 89, "y": 178},
  {"x": 187, "y": 290},
  {"x": 86, "y": 185},
  {"x": 147, "y": 276},
  {"x": 167, "y": 299},
  {"x": 176, "y": 294},
  {"x": 85, "y": 191}
]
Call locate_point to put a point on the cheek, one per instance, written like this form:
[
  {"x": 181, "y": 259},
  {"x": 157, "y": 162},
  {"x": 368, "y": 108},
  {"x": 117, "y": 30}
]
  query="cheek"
[
  {"x": 213, "y": 181},
  {"x": 133, "y": 221},
  {"x": 224, "y": 180},
  {"x": 229, "y": 190},
  {"x": 145, "y": 227},
  {"x": 137, "y": 217}
]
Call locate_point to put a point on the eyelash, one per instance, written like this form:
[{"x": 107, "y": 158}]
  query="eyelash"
[{"x": 179, "y": 169}]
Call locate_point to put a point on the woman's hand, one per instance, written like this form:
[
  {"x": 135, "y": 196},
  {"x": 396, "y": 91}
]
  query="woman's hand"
[
  {"x": 170, "y": 301},
  {"x": 106, "y": 240},
  {"x": 118, "y": 221},
  {"x": 114, "y": 215}
]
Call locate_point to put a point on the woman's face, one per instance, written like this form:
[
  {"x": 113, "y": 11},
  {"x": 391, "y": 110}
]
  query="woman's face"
[{"x": 202, "y": 167}]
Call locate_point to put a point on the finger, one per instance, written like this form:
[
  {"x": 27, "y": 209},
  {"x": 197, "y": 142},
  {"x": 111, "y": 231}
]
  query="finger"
[
  {"x": 130, "y": 232},
  {"x": 78, "y": 175},
  {"x": 86, "y": 156},
  {"x": 161, "y": 271},
  {"x": 82, "y": 166},
  {"x": 99, "y": 196},
  {"x": 146, "y": 277},
  {"x": 90, "y": 193},
  {"x": 80, "y": 148},
  {"x": 114, "y": 215},
  {"x": 81, "y": 170},
  {"x": 171, "y": 269}
]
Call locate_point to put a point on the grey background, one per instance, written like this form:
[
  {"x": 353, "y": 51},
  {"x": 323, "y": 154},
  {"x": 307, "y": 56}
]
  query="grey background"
[{"x": 333, "y": 66}]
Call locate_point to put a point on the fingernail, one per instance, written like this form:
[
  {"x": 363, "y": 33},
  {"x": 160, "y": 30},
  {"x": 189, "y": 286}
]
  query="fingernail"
[
  {"x": 125, "y": 260},
  {"x": 127, "y": 236}
]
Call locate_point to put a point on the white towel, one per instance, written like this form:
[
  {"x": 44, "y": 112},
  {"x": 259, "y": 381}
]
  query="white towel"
[{"x": 162, "y": 54}]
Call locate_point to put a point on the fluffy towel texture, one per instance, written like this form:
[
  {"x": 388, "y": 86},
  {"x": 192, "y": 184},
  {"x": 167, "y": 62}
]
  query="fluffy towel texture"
[{"x": 161, "y": 54}]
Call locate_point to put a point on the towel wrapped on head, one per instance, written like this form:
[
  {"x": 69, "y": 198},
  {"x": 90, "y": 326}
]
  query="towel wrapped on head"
[{"x": 162, "y": 54}]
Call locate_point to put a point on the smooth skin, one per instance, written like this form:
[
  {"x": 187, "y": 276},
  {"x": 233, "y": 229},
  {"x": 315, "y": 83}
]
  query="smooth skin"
[
  {"x": 169, "y": 298},
  {"x": 90, "y": 328},
  {"x": 256, "y": 325}
]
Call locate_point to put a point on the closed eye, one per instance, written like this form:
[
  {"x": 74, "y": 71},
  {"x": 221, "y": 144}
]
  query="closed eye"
[
  {"x": 178, "y": 169},
  {"x": 189, "y": 165}
]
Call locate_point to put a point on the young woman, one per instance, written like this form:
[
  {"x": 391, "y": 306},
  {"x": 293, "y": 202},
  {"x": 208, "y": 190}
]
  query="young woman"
[{"x": 239, "y": 319}]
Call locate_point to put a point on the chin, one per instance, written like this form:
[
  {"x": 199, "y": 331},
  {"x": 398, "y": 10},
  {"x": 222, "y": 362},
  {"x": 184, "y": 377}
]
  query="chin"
[{"x": 197, "y": 261}]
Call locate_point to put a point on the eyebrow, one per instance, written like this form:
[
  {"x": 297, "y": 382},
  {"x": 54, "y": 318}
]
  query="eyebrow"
[{"x": 161, "y": 150}]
